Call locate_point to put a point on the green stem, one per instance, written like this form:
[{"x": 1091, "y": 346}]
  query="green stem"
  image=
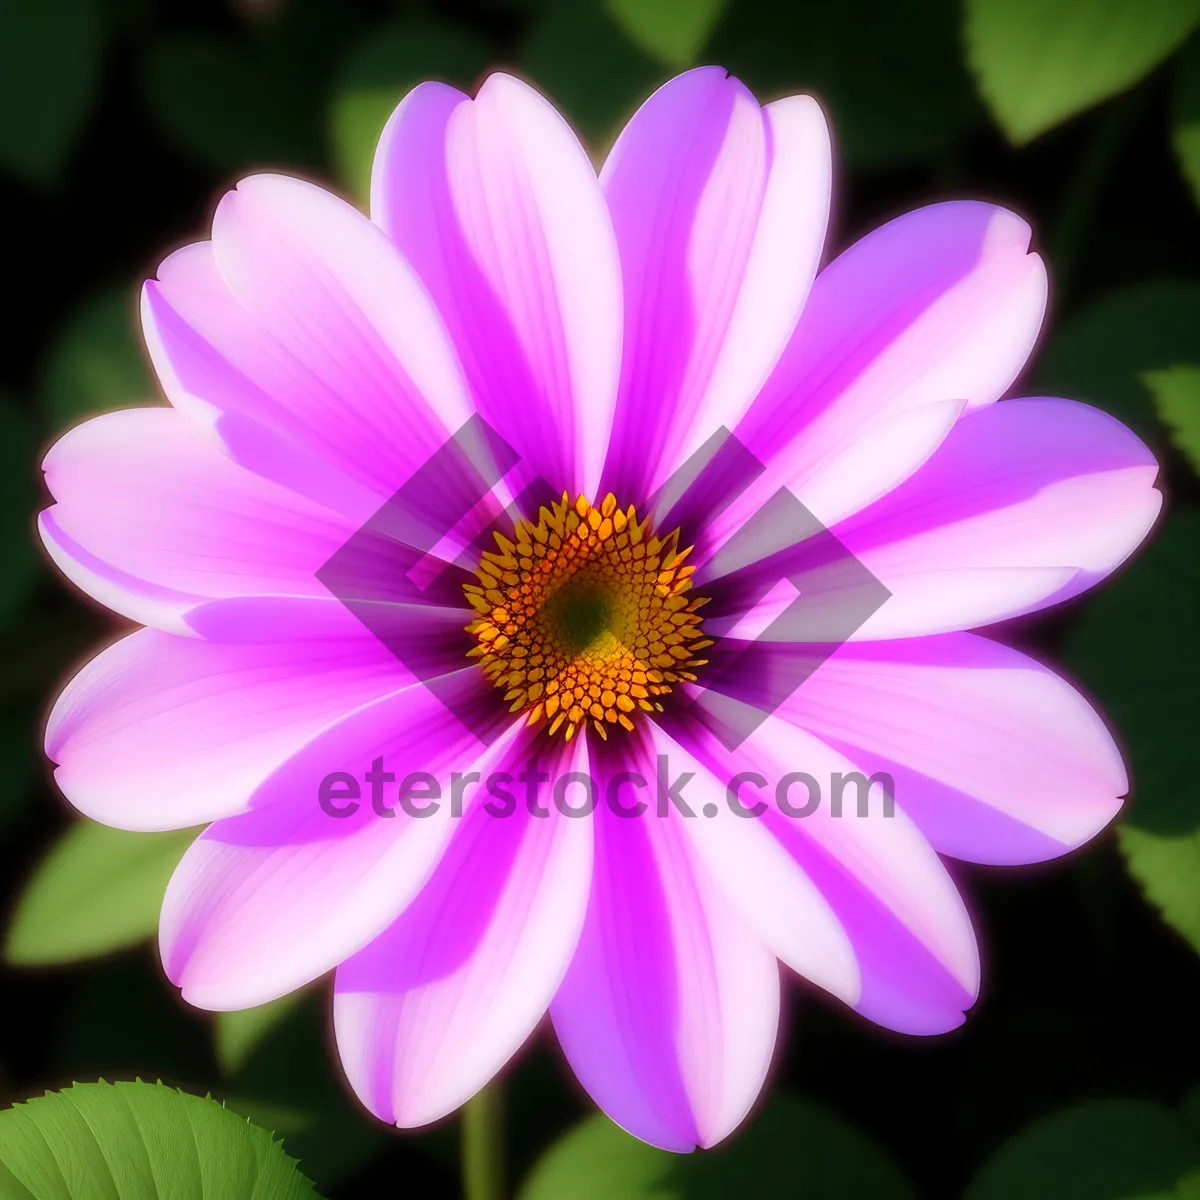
[{"x": 483, "y": 1145}]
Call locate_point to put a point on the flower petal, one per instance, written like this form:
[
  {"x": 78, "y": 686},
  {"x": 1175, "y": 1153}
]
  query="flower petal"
[
  {"x": 267, "y": 901},
  {"x": 669, "y": 1010},
  {"x": 157, "y": 523},
  {"x": 777, "y": 900},
  {"x": 910, "y": 932},
  {"x": 720, "y": 209},
  {"x": 164, "y": 732},
  {"x": 152, "y": 519},
  {"x": 1058, "y": 491},
  {"x": 304, "y": 338},
  {"x": 1025, "y": 504},
  {"x": 942, "y": 304},
  {"x": 497, "y": 207},
  {"x": 994, "y": 757},
  {"x": 437, "y": 1004}
]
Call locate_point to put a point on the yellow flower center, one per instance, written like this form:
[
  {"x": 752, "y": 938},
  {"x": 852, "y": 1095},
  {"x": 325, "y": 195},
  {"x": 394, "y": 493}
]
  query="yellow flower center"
[{"x": 585, "y": 616}]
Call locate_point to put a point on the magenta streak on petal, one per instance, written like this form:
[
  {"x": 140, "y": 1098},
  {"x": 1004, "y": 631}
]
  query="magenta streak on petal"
[
  {"x": 669, "y": 1011},
  {"x": 655, "y": 179},
  {"x": 226, "y": 335},
  {"x": 451, "y": 914},
  {"x": 939, "y": 307},
  {"x": 164, "y": 732},
  {"x": 117, "y": 590},
  {"x": 269, "y": 900},
  {"x": 867, "y": 298},
  {"x": 497, "y": 207},
  {"x": 1033, "y": 482},
  {"x": 910, "y": 932},
  {"x": 1026, "y": 503},
  {"x": 995, "y": 757},
  {"x": 411, "y": 201},
  {"x": 615, "y": 1013},
  {"x": 904, "y": 987},
  {"x": 436, "y": 1004}
]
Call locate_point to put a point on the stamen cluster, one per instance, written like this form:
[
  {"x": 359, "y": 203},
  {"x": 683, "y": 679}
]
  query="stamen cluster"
[{"x": 585, "y": 616}]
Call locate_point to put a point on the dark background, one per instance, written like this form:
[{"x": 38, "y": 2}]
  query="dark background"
[{"x": 121, "y": 124}]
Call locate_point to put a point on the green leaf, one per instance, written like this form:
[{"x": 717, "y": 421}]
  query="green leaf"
[
  {"x": 793, "y": 1148},
  {"x": 1102, "y": 354},
  {"x": 50, "y": 53},
  {"x": 1177, "y": 398},
  {"x": 1101, "y": 1150},
  {"x": 237, "y": 1034},
  {"x": 139, "y": 1141},
  {"x": 1038, "y": 62},
  {"x": 98, "y": 364},
  {"x": 578, "y": 56},
  {"x": 224, "y": 103},
  {"x": 1137, "y": 648},
  {"x": 375, "y": 78},
  {"x": 98, "y": 890},
  {"x": 673, "y": 31},
  {"x": 890, "y": 76},
  {"x": 18, "y": 501}
]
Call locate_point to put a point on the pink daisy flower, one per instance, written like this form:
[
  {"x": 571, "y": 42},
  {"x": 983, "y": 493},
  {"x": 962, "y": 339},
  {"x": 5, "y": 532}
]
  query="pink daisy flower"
[{"x": 605, "y": 328}]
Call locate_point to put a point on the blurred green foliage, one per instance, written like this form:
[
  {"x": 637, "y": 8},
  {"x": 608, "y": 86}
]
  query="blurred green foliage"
[
  {"x": 237, "y": 1034},
  {"x": 1185, "y": 115},
  {"x": 1102, "y": 353},
  {"x": 890, "y": 76},
  {"x": 284, "y": 1081},
  {"x": 97, "y": 364},
  {"x": 1176, "y": 394},
  {"x": 98, "y": 890},
  {"x": 672, "y": 31},
  {"x": 50, "y": 55},
  {"x": 1103, "y": 1150},
  {"x": 222, "y": 101},
  {"x": 1041, "y": 61},
  {"x": 120, "y": 123},
  {"x": 1148, "y": 685}
]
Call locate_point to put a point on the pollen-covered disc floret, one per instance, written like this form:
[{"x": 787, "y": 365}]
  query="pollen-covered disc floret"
[{"x": 585, "y": 616}]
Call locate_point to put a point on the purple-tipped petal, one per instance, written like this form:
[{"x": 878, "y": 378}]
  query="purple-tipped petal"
[
  {"x": 164, "y": 732},
  {"x": 668, "y": 1013},
  {"x": 941, "y": 305},
  {"x": 750, "y": 864},
  {"x": 153, "y": 519},
  {"x": 994, "y": 757},
  {"x": 303, "y": 336},
  {"x": 267, "y": 901},
  {"x": 497, "y": 206},
  {"x": 1023, "y": 505},
  {"x": 909, "y": 930},
  {"x": 720, "y": 208},
  {"x": 434, "y": 1007}
]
